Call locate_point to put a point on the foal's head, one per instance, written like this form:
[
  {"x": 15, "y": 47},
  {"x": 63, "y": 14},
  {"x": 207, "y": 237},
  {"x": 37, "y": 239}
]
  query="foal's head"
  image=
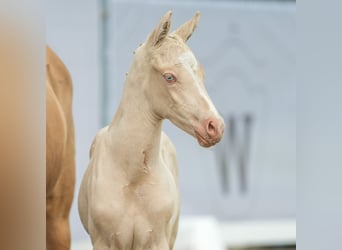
[{"x": 175, "y": 82}]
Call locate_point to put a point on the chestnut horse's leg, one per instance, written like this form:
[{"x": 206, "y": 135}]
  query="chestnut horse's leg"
[
  {"x": 58, "y": 205},
  {"x": 60, "y": 153},
  {"x": 57, "y": 233}
]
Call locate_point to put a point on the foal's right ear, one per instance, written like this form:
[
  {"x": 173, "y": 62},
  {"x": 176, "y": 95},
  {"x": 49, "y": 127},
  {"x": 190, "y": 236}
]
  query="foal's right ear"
[{"x": 161, "y": 31}]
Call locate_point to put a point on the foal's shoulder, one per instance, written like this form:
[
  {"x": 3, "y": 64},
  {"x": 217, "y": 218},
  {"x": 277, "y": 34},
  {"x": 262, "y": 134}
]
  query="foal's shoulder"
[{"x": 96, "y": 139}]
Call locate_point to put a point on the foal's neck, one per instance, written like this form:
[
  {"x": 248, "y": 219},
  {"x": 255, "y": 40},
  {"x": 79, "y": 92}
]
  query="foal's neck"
[{"x": 136, "y": 128}]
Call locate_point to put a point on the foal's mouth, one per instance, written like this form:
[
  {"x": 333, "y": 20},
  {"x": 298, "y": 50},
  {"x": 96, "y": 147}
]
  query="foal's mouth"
[{"x": 204, "y": 142}]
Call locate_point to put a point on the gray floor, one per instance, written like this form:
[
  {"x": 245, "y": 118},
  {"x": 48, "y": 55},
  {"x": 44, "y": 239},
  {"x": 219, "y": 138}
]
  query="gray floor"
[{"x": 266, "y": 248}]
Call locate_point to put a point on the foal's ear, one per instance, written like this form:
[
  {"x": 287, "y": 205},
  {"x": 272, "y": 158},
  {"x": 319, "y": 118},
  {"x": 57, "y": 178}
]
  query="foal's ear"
[
  {"x": 161, "y": 31},
  {"x": 185, "y": 31}
]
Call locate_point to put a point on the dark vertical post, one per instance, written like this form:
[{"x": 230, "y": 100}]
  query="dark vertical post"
[
  {"x": 244, "y": 152},
  {"x": 104, "y": 43}
]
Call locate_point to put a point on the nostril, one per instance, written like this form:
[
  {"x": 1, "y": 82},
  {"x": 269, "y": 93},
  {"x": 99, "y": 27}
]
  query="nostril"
[{"x": 211, "y": 129}]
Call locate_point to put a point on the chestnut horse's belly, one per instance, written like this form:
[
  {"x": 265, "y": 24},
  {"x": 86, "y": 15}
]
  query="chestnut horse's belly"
[{"x": 56, "y": 135}]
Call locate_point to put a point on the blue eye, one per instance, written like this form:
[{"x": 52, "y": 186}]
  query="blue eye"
[{"x": 169, "y": 78}]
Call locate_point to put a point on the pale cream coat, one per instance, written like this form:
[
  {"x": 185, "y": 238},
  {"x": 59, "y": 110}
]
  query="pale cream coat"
[{"x": 129, "y": 197}]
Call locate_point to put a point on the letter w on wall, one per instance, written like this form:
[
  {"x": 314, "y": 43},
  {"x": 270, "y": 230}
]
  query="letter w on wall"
[{"x": 234, "y": 151}]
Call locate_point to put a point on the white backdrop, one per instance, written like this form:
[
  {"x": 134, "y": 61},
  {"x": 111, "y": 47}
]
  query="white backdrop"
[{"x": 248, "y": 52}]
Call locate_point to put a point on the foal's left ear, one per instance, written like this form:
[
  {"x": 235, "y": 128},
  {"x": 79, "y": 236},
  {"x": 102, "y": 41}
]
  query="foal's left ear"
[
  {"x": 161, "y": 31},
  {"x": 185, "y": 31}
]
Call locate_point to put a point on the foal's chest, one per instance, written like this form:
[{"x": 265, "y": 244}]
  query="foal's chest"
[
  {"x": 154, "y": 199},
  {"x": 148, "y": 214}
]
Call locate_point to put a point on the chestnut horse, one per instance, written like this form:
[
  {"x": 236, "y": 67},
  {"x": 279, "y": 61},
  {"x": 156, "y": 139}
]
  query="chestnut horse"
[
  {"x": 60, "y": 153},
  {"x": 129, "y": 197}
]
